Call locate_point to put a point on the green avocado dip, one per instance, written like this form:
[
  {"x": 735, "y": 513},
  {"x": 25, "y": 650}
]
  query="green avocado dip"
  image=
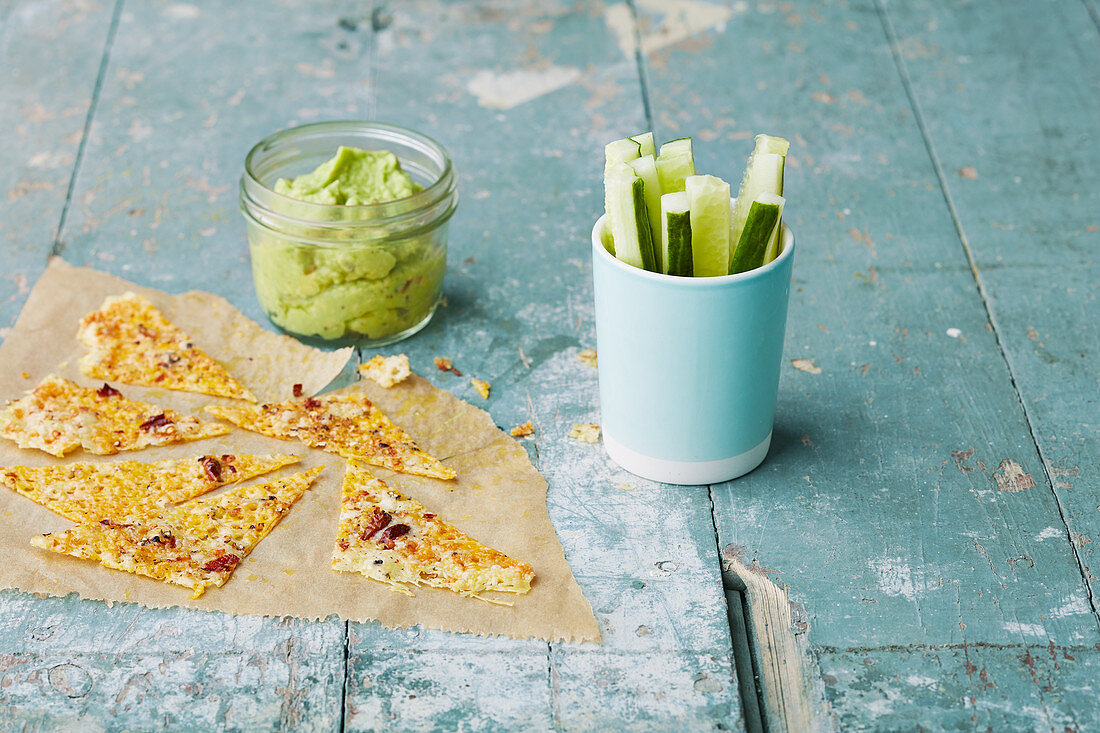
[
  {"x": 352, "y": 177},
  {"x": 335, "y": 267}
]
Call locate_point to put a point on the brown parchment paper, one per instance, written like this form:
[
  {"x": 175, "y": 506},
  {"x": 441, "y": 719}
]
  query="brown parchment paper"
[{"x": 498, "y": 498}]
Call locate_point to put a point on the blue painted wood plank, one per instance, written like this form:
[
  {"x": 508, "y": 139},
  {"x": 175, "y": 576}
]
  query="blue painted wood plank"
[
  {"x": 67, "y": 663},
  {"x": 879, "y": 505},
  {"x": 164, "y": 215},
  {"x": 155, "y": 201},
  {"x": 44, "y": 105},
  {"x": 1019, "y": 160},
  {"x": 1038, "y": 687},
  {"x": 156, "y": 198},
  {"x": 525, "y": 108}
]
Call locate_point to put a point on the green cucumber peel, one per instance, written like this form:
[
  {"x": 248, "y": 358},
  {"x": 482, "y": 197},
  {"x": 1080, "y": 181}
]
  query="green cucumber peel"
[
  {"x": 645, "y": 144},
  {"x": 676, "y": 235},
  {"x": 765, "y": 214},
  {"x": 645, "y": 168}
]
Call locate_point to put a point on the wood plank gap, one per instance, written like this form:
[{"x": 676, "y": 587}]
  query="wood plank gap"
[
  {"x": 1090, "y": 6},
  {"x": 741, "y": 642},
  {"x": 379, "y": 21},
  {"x": 903, "y": 73},
  {"x": 956, "y": 646},
  {"x": 748, "y": 681},
  {"x": 112, "y": 31},
  {"x": 555, "y": 712},
  {"x": 643, "y": 72},
  {"x": 789, "y": 682},
  {"x": 344, "y": 684}
]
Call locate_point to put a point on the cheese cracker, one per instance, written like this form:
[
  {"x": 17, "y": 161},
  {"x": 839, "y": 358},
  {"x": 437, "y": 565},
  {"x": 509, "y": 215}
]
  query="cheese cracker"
[
  {"x": 130, "y": 341},
  {"x": 58, "y": 416},
  {"x": 345, "y": 424},
  {"x": 393, "y": 539},
  {"x": 195, "y": 545}
]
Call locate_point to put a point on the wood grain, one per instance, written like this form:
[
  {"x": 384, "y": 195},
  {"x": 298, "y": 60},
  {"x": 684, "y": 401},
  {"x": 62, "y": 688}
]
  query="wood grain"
[{"x": 879, "y": 506}]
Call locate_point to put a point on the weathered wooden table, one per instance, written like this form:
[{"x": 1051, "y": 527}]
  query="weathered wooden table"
[{"x": 930, "y": 502}]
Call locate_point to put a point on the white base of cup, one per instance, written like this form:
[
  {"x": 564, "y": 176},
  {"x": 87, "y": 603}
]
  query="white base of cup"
[{"x": 687, "y": 472}]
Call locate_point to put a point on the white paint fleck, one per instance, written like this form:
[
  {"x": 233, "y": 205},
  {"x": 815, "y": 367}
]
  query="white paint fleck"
[
  {"x": 954, "y": 333},
  {"x": 806, "y": 365},
  {"x": 895, "y": 577},
  {"x": 1049, "y": 533},
  {"x": 1076, "y": 606},
  {"x": 519, "y": 86},
  {"x": 49, "y": 160},
  {"x": 920, "y": 681},
  {"x": 182, "y": 11},
  {"x": 139, "y": 130},
  {"x": 679, "y": 20},
  {"x": 1025, "y": 629},
  {"x": 325, "y": 70}
]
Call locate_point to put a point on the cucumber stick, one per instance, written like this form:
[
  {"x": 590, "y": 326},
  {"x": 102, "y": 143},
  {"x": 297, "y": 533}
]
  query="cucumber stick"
[
  {"x": 676, "y": 235},
  {"x": 760, "y": 228},
  {"x": 776, "y": 241},
  {"x": 645, "y": 143},
  {"x": 645, "y": 168},
  {"x": 628, "y": 216},
  {"x": 709, "y": 204},
  {"x": 619, "y": 151},
  {"x": 763, "y": 174},
  {"x": 678, "y": 146},
  {"x": 675, "y": 164}
]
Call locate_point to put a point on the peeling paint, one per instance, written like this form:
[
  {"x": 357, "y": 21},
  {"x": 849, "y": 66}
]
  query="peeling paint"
[
  {"x": 895, "y": 577},
  {"x": 1010, "y": 477},
  {"x": 679, "y": 20},
  {"x": 1025, "y": 629},
  {"x": 513, "y": 88},
  {"x": 806, "y": 365}
]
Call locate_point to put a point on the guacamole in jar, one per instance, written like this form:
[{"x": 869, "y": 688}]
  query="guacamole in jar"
[{"x": 336, "y": 267}]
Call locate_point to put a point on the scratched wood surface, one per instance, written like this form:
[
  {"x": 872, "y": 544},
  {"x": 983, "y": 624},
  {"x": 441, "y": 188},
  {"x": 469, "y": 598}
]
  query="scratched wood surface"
[
  {"x": 154, "y": 200},
  {"x": 943, "y": 188}
]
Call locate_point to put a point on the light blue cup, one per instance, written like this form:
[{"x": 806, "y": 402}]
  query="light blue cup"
[{"x": 689, "y": 367}]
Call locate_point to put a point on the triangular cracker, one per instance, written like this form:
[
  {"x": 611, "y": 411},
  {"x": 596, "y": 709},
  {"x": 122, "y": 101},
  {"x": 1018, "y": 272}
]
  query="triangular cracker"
[
  {"x": 196, "y": 545},
  {"x": 393, "y": 539},
  {"x": 130, "y": 341},
  {"x": 346, "y": 424},
  {"x": 59, "y": 416},
  {"x": 89, "y": 492}
]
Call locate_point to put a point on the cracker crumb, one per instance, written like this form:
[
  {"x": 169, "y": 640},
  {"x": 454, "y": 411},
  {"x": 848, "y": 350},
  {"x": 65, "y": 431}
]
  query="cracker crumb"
[
  {"x": 625, "y": 487},
  {"x": 587, "y": 357},
  {"x": 522, "y": 431},
  {"x": 585, "y": 432},
  {"x": 444, "y": 364},
  {"x": 386, "y": 370},
  {"x": 24, "y": 375},
  {"x": 806, "y": 365},
  {"x": 482, "y": 387}
]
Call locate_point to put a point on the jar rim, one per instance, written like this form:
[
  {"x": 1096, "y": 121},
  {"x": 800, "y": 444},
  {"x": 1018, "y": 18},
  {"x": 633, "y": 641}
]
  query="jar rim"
[
  {"x": 405, "y": 135},
  {"x": 406, "y": 216}
]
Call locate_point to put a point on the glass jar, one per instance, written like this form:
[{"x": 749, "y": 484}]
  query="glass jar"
[{"x": 371, "y": 273}]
